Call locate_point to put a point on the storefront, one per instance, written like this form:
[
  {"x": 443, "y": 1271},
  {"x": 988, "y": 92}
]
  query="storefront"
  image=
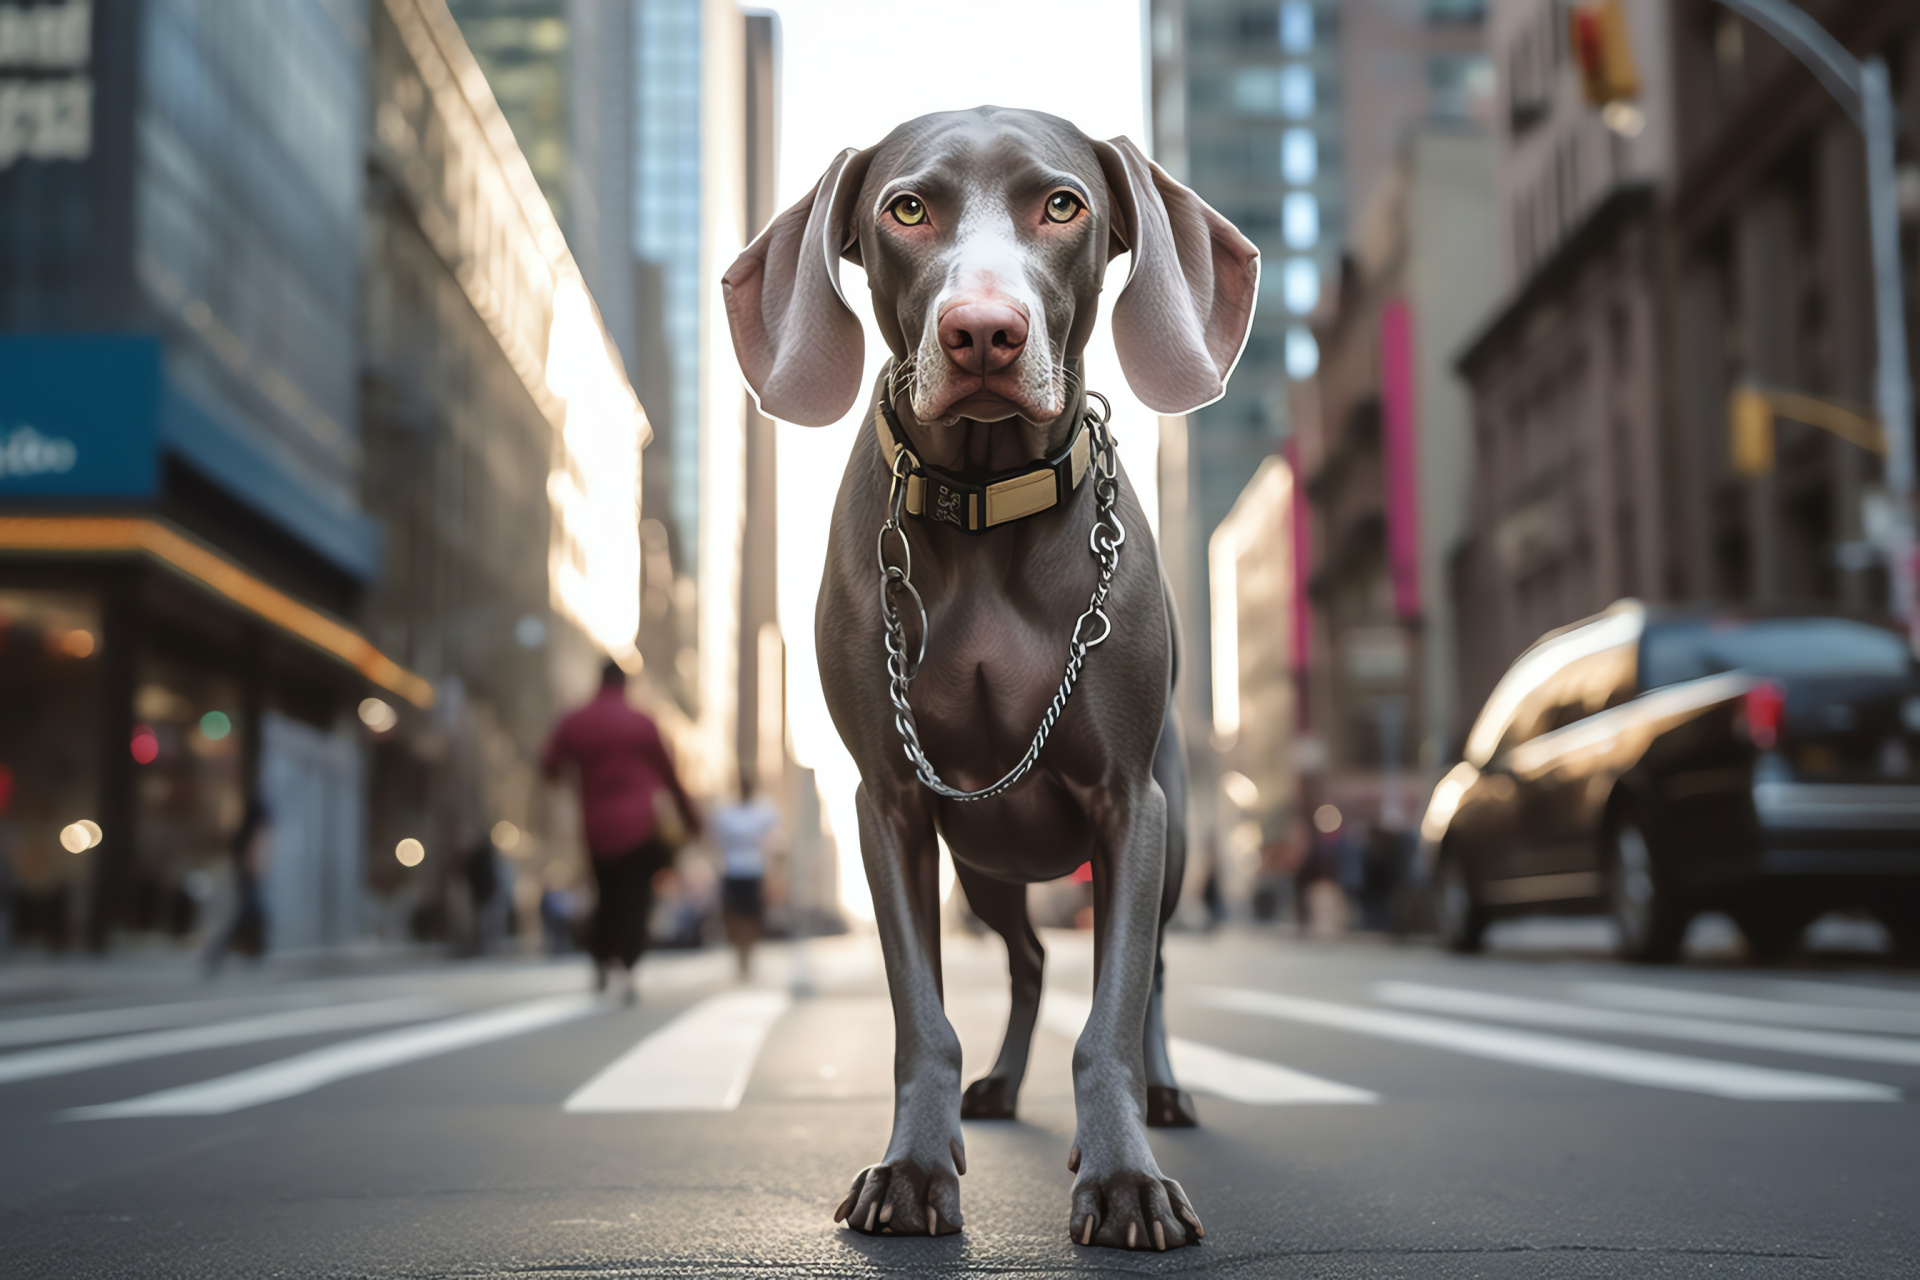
[{"x": 163, "y": 661}]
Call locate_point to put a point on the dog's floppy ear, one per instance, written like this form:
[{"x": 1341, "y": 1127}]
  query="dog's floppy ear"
[
  {"x": 1183, "y": 317},
  {"x": 798, "y": 342}
]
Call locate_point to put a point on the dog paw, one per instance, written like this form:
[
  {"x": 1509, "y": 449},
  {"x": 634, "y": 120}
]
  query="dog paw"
[
  {"x": 1132, "y": 1210},
  {"x": 902, "y": 1199},
  {"x": 989, "y": 1098},
  {"x": 1169, "y": 1108}
]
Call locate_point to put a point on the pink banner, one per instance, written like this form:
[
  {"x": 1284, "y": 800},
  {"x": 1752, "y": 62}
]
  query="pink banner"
[{"x": 1398, "y": 443}]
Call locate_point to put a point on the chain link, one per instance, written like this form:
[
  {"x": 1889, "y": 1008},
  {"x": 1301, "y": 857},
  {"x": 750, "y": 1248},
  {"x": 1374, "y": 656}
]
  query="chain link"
[{"x": 896, "y": 583}]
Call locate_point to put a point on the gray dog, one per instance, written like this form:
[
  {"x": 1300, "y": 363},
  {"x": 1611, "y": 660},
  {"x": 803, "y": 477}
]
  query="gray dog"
[{"x": 985, "y": 236}]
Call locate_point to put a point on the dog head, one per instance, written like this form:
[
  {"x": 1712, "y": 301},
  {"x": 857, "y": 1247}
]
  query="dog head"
[{"x": 985, "y": 236}]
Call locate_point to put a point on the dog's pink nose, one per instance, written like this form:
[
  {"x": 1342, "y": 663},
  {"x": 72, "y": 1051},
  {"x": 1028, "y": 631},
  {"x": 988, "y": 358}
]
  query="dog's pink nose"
[{"x": 982, "y": 337}]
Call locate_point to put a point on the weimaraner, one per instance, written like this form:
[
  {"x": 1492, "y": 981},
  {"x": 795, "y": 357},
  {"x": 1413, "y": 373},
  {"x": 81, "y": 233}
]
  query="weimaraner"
[{"x": 985, "y": 236}]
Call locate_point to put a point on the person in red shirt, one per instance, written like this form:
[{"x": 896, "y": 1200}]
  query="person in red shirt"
[{"x": 626, "y": 782}]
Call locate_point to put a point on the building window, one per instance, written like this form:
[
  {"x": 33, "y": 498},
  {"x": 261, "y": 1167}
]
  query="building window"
[
  {"x": 1300, "y": 220},
  {"x": 1296, "y": 26},
  {"x": 1299, "y": 156},
  {"x": 1459, "y": 86},
  {"x": 1296, "y": 91},
  {"x": 1303, "y": 353},
  {"x": 1300, "y": 285},
  {"x": 1270, "y": 91}
]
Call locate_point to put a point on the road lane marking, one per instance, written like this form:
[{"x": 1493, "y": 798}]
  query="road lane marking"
[
  {"x": 1203, "y": 1068},
  {"x": 89, "y": 1055},
  {"x": 700, "y": 1061},
  {"x": 1252, "y": 1081},
  {"x": 1622, "y": 995},
  {"x": 47, "y": 1028},
  {"x": 306, "y": 1072},
  {"x": 1555, "y": 1053},
  {"x": 1866, "y": 996},
  {"x": 1480, "y": 1004}
]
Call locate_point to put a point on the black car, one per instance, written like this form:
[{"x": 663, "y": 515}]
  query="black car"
[{"x": 1656, "y": 764}]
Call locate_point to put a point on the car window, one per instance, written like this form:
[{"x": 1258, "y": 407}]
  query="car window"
[
  {"x": 1576, "y": 690},
  {"x": 1559, "y": 680},
  {"x": 1782, "y": 647}
]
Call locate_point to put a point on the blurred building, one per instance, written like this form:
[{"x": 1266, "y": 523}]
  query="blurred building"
[
  {"x": 1290, "y": 119},
  {"x": 668, "y": 204},
  {"x": 274, "y": 493},
  {"x": 1384, "y": 440},
  {"x": 1251, "y": 568},
  {"x": 502, "y": 457},
  {"x": 1247, "y": 110},
  {"x": 1703, "y": 232},
  {"x": 1571, "y": 379},
  {"x": 1771, "y": 286},
  {"x": 183, "y": 540}
]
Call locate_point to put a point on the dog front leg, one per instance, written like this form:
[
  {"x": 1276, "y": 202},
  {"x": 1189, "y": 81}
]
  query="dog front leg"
[
  {"x": 915, "y": 1189},
  {"x": 1121, "y": 1199}
]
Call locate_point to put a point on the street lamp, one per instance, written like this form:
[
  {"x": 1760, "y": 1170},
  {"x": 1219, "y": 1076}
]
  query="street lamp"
[{"x": 1861, "y": 89}]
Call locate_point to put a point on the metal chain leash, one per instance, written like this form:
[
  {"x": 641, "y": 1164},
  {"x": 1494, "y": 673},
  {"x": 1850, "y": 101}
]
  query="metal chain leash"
[{"x": 896, "y": 580}]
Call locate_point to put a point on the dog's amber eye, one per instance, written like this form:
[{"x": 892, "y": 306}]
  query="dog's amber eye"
[
  {"x": 1063, "y": 206},
  {"x": 908, "y": 211}
]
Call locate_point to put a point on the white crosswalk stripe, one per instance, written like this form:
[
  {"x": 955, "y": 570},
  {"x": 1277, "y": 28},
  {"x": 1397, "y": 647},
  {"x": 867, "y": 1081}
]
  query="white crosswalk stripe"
[
  {"x": 50, "y": 1028},
  {"x": 1829, "y": 1016},
  {"x": 33, "y": 1064},
  {"x": 1202, "y": 1068},
  {"x": 1480, "y": 1004},
  {"x": 700, "y": 1061},
  {"x": 1556, "y": 1053},
  {"x": 308, "y": 1071}
]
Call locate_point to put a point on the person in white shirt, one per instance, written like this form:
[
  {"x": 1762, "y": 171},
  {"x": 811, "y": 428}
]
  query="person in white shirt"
[{"x": 741, "y": 830}]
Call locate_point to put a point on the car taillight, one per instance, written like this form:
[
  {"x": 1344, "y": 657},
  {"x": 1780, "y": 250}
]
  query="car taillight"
[{"x": 1765, "y": 707}]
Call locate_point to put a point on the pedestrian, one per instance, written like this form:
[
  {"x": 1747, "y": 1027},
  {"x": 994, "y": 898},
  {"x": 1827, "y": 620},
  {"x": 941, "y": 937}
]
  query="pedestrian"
[
  {"x": 631, "y": 801},
  {"x": 251, "y": 850},
  {"x": 481, "y": 867},
  {"x": 741, "y": 830}
]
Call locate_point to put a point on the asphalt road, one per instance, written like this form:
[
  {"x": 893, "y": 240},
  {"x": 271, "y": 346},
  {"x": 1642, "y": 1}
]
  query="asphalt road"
[{"x": 1367, "y": 1110}]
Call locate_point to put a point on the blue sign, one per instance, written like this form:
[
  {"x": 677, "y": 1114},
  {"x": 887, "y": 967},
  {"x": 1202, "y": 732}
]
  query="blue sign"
[{"x": 79, "y": 415}]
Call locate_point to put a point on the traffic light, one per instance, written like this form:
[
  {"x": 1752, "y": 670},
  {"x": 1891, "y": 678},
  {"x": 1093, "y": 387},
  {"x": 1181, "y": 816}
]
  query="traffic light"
[
  {"x": 1604, "y": 53},
  {"x": 1750, "y": 432}
]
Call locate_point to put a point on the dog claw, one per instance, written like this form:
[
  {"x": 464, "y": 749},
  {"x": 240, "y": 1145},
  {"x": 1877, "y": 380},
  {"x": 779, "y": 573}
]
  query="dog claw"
[
  {"x": 1086, "y": 1232},
  {"x": 959, "y": 1157},
  {"x": 1159, "y": 1237},
  {"x": 886, "y": 1214},
  {"x": 1073, "y": 1160},
  {"x": 873, "y": 1211},
  {"x": 933, "y": 1221},
  {"x": 1133, "y": 1234}
]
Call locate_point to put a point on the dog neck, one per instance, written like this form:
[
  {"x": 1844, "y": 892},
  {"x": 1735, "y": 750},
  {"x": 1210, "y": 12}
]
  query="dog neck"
[
  {"x": 976, "y": 450},
  {"x": 979, "y": 503}
]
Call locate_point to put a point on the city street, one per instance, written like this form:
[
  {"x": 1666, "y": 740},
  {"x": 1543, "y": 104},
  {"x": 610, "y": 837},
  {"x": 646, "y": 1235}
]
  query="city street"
[{"x": 1367, "y": 1109}]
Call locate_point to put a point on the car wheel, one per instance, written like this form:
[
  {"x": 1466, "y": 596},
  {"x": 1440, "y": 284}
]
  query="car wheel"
[
  {"x": 1458, "y": 915},
  {"x": 1648, "y": 920}
]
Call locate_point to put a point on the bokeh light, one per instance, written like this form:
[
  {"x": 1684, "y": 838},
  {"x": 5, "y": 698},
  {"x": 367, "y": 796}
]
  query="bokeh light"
[
  {"x": 145, "y": 746},
  {"x": 78, "y": 837},
  {"x": 215, "y": 725},
  {"x": 410, "y": 852}
]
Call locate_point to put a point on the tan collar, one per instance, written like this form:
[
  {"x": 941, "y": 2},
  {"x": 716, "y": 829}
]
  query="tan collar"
[{"x": 977, "y": 507}]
